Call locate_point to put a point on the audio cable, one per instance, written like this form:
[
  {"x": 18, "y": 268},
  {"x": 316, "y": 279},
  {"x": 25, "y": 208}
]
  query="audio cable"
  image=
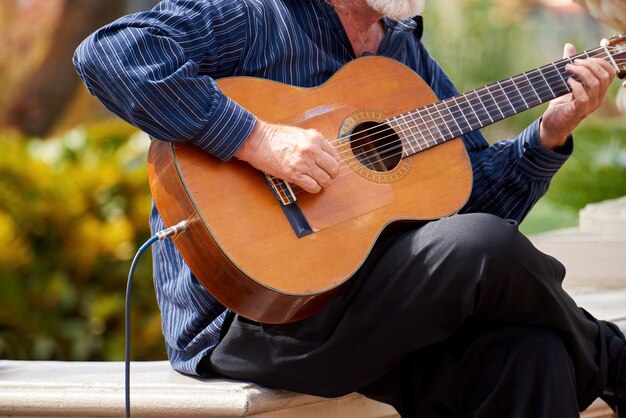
[{"x": 159, "y": 236}]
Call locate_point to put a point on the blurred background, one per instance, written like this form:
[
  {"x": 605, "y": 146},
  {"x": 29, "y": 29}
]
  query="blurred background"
[{"x": 74, "y": 198}]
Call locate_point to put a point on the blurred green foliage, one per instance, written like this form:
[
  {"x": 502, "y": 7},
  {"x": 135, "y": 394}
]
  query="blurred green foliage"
[
  {"x": 73, "y": 210},
  {"x": 596, "y": 171}
]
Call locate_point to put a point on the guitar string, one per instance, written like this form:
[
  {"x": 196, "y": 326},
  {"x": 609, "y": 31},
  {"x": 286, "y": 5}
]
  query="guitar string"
[
  {"x": 433, "y": 140},
  {"x": 553, "y": 75},
  {"x": 462, "y": 108},
  {"x": 537, "y": 74},
  {"x": 437, "y": 134},
  {"x": 550, "y": 76},
  {"x": 441, "y": 137}
]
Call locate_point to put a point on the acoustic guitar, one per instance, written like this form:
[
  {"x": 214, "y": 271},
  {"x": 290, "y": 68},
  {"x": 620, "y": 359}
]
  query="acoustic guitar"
[{"x": 276, "y": 254}]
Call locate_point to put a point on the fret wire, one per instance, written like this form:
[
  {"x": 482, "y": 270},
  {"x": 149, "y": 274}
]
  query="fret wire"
[
  {"x": 554, "y": 73},
  {"x": 483, "y": 104},
  {"x": 549, "y": 74},
  {"x": 423, "y": 141},
  {"x": 538, "y": 83},
  {"x": 435, "y": 123},
  {"x": 406, "y": 136},
  {"x": 532, "y": 87},
  {"x": 445, "y": 122},
  {"x": 445, "y": 102},
  {"x": 428, "y": 144},
  {"x": 548, "y": 84},
  {"x": 547, "y": 70},
  {"x": 408, "y": 140},
  {"x": 415, "y": 139},
  {"x": 474, "y": 112},
  {"x": 471, "y": 111},
  {"x": 458, "y": 105},
  {"x": 520, "y": 93},
  {"x": 507, "y": 97},
  {"x": 496, "y": 103},
  {"x": 464, "y": 112},
  {"x": 612, "y": 60},
  {"x": 560, "y": 75},
  {"x": 421, "y": 132}
]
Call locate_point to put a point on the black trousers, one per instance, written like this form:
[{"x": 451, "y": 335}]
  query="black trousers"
[{"x": 461, "y": 317}]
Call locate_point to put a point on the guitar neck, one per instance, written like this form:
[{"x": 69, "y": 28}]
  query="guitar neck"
[{"x": 441, "y": 121}]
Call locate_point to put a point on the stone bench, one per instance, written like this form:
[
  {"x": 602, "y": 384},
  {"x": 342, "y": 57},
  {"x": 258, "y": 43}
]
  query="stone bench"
[
  {"x": 96, "y": 389},
  {"x": 594, "y": 254}
]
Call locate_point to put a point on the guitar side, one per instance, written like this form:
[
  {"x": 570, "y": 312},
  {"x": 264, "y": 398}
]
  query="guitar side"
[{"x": 240, "y": 244}]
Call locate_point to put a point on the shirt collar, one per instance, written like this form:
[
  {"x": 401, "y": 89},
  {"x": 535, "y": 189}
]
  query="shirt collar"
[{"x": 412, "y": 24}]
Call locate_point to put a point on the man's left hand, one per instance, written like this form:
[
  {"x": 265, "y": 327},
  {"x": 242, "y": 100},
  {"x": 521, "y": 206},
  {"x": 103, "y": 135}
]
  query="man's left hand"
[{"x": 566, "y": 112}]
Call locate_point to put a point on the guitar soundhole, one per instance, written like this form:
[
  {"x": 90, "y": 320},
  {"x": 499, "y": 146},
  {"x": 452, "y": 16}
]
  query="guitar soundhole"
[{"x": 377, "y": 146}]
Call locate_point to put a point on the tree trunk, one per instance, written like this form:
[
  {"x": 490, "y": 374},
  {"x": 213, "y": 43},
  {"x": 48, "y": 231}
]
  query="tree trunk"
[{"x": 48, "y": 90}]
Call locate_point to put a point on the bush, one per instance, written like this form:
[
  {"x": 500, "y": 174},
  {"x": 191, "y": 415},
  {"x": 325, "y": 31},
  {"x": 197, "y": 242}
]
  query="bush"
[
  {"x": 73, "y": 211},
  {"x": 596, "y": 171}
]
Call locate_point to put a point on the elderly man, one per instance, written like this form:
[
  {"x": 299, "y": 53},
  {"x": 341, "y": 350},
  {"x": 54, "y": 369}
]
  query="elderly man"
[{"x": 456, "y": 317}]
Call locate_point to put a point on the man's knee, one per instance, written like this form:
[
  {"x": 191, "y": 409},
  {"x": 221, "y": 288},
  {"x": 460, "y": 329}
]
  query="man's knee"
[
  {"x": 491, "y": 253},
  {"x": 473, "y": 235}
]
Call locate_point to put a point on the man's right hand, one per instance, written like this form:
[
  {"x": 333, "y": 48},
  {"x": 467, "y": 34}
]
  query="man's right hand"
[{"x": 300, "y": 156}]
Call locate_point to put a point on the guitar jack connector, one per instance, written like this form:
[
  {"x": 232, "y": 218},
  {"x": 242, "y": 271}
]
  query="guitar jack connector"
[{"x": 172, "y": 231}]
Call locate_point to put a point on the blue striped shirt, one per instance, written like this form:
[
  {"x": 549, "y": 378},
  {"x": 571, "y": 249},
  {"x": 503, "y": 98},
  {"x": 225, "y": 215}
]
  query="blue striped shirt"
[{"x": 157, "y": 70}]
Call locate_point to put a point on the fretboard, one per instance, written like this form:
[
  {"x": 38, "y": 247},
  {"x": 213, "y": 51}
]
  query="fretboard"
[{"x": 441, "y": 121}]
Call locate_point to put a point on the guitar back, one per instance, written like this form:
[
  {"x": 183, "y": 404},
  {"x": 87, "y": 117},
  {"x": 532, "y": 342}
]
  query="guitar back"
[{"x": 241, "y": 244}]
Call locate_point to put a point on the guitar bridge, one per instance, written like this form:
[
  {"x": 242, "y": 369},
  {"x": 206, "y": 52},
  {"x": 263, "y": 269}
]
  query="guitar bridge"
[
  {"x": 281, "y": 189},
  {"x": 285, "y": 195}
]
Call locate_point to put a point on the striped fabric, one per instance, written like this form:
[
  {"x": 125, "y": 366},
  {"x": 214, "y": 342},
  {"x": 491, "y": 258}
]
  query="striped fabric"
[{"x": 156, "y": 70}]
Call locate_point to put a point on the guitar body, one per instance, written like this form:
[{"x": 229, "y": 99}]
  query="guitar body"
[{"x": 240, "y": 243}]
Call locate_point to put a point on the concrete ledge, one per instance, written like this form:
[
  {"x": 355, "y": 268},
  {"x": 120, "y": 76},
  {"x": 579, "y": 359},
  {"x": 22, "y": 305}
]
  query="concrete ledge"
[{"x": 96, "y": 389}]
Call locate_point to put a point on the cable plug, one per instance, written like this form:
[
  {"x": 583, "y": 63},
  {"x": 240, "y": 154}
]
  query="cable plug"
[{"x": 172, "y": 231}]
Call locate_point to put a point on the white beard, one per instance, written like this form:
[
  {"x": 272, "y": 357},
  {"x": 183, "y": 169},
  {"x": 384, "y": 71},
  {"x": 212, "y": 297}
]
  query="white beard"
[{"x": 397, "y": 9}]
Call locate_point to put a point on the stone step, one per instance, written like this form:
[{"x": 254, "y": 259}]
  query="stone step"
[
  {"x": 606, "y": 218},
  {"x": 594, "y": 254}
]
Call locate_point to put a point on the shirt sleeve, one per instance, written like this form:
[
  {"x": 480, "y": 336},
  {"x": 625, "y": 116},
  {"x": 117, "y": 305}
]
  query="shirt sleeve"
[
  {"x": 157, "y": 71},
  {"x": 509, "y": 176}
]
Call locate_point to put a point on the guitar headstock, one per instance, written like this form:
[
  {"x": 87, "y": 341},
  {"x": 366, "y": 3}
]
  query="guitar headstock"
[{"x": 616, "y": 46}]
